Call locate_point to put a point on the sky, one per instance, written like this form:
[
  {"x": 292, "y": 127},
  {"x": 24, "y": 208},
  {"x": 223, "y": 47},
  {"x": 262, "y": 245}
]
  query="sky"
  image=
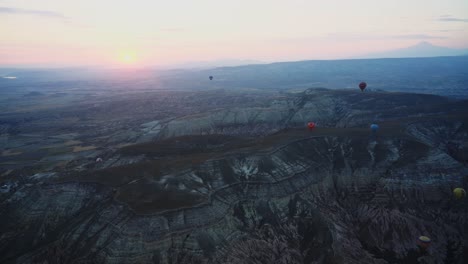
[{"x": 138, "y": 33}]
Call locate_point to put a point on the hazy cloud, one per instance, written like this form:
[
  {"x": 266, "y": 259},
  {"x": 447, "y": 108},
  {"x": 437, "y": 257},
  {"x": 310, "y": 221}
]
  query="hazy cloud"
[
  {"x": 359, "y": 36},
  {"x": 20, "y": 11},
  {"x": 418, "y": 36},
  {"x": 448, "y": 18},
  {"x": 377, "y": 37},
  {"x": 447, "y": 30},
  {"x": 175, "y": 29}
]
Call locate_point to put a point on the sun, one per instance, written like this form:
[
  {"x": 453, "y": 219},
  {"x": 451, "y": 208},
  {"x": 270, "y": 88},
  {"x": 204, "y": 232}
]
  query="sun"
[{"x": 128, "y": 57}]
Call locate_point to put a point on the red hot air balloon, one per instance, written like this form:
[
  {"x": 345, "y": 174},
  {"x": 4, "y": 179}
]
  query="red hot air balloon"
[
  {"x": 311, "y": 125},
  {"x": 362, "y": 86}
]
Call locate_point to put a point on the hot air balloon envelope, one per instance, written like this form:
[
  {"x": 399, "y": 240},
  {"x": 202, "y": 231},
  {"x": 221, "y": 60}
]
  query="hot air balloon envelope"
[
  {"x": 424, "y": 239},
  {"x": 424, "y": 242},
  {"x": 362, "y": 86},
  {"x": 459, "y": 193},
  {"x": 311, "y": 125}
]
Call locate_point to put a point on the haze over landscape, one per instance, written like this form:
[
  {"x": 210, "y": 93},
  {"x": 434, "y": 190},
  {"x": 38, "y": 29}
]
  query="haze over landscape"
[{"x": 255, "y": 132}]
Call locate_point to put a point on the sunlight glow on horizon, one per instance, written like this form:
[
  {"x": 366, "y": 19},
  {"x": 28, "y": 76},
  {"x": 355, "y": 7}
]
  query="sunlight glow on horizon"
[
  {"x": 146, "y": 33},
  {"x": 128, "y": 57}
]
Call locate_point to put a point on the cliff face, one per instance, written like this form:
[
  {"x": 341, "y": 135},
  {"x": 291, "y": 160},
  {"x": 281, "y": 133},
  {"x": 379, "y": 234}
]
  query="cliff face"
[
  {"x": 334, "y": 195},
  {"x": 341, "y": 108}
]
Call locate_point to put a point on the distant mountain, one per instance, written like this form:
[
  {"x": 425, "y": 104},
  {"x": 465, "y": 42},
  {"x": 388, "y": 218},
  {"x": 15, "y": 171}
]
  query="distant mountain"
[
  {"x": 422, "y": 49},
  {"x": 214, "y": 64}
]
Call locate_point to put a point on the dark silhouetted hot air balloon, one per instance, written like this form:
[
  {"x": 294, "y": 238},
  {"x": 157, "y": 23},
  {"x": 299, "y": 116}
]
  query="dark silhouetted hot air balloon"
[
  {"x": 311, "y": 125},
  {"x": 362, "y": 86},
  {"x": 459, "y": 193},
  {"x": 424, "y": 242},
  {"x": 211, "y": 78}
]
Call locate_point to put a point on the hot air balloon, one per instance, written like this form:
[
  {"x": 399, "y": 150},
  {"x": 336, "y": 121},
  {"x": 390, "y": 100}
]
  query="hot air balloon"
[
  {"x": 424, "y": 242},
  {"x": 99, "y": 160},
  {"x": 311, "y": 125},
  {"x": 362, "y": 86},
  {"x": 459, "y": 193},
  {"x": 211, "y": 78},
  {"x": 374, "y": 128}
]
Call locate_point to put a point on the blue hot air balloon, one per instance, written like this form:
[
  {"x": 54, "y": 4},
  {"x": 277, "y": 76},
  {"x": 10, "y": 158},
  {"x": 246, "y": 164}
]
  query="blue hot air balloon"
[{"x": 374, "y": 128}]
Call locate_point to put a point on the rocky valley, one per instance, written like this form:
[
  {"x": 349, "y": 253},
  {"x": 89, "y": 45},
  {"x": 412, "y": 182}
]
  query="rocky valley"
[{"x": 235, "y": 177}]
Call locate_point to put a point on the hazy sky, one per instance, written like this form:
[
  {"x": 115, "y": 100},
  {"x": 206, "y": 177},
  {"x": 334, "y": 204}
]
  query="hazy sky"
[{"x": 153, "y": 32}]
